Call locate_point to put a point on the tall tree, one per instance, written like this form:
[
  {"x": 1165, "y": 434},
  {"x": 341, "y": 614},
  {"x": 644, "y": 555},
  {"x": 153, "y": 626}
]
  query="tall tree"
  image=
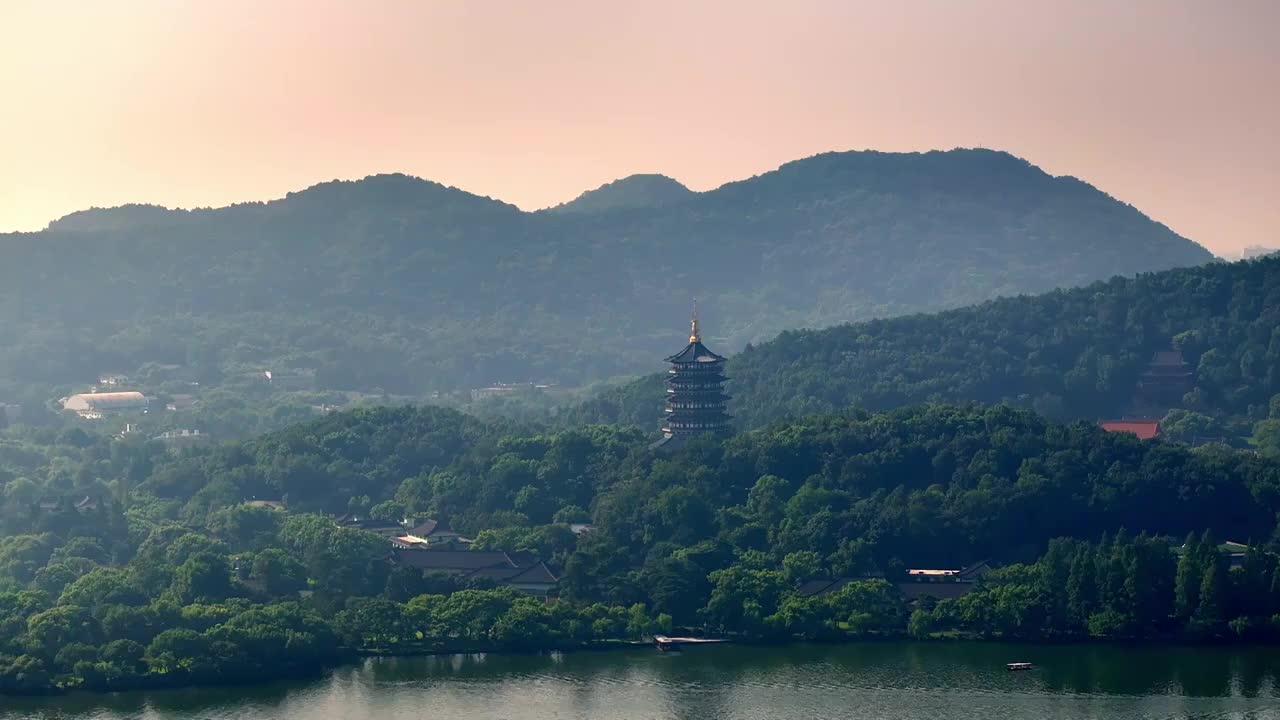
[{"x": 1189, "y": 578}]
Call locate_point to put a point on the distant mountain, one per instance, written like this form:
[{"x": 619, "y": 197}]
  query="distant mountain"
[
  {"x": 399, "y": 284},
  {"x": 118, "y": 218},
  {"x": 1257, "y": 251},
  {"x": 1069, "y": 354},
  {"x": 633, "y": 191}
]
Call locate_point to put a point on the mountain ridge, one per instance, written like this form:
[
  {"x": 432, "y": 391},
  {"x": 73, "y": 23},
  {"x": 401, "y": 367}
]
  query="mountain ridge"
[
  {"x": 630, "y": 192},
  {"x": 403, "y": 284},
  {"x": 391, "y": 179}
]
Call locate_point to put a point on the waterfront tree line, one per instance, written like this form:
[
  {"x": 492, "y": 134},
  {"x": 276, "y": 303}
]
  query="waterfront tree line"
[{"x": 173, "y": 578}]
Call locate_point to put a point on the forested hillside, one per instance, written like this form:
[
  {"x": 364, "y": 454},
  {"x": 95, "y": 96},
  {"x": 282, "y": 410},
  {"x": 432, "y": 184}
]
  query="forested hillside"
[
  {"x": 191, "y": 584},
  {"x": 402, "y": 285},
  {"x": 1068, "y": 354},
  {"x": 634, "y": 191}
]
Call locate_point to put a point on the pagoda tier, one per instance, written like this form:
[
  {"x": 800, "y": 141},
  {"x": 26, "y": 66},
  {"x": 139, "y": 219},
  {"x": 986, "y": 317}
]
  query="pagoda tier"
[
  {"x": 1166, "y": 379},
  {"x": 695, "y": 391}
]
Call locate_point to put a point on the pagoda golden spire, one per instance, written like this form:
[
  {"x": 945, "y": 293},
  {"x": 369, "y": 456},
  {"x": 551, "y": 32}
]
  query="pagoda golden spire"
[{"x": 694, "y": 335}]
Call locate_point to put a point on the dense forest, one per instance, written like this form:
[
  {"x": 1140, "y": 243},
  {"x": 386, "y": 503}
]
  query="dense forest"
[
  {"x": 399, "y": 285},
  {"x": 1069, "y": 354},
  {"x": 175, "y": 578}
]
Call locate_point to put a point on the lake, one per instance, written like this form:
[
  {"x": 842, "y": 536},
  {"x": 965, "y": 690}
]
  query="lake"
[{"x": 904, "y": 681}]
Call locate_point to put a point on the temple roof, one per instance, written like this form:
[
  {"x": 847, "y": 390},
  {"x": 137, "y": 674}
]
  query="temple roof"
[
  {"x": 1144, "y": 429},
  {"x": 1168, "y": 358},
  {"x": 695, "y": 352}
]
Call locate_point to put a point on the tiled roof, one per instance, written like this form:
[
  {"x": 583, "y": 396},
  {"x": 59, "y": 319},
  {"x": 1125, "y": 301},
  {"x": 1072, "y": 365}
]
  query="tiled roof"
[
  {"x": 1144, "y": 429},
  {"x": 432, "y": 528},
  {"x": 464, "y": 560},
  {"x": 385, "y": 528},
  {"x": 695, "y": 352},
  {"x": 936, "y": 590},
  {"x": 821, "y": 587},
  {"x": 1168, "y": 357},
  {"x": 536, "y": 573},
  {"x": 818, "y": 587}
]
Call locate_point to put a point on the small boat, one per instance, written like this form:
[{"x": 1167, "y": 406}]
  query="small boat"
[
  {"x": 1019, "y": 666},
  {"x": 670, "y": 644}
]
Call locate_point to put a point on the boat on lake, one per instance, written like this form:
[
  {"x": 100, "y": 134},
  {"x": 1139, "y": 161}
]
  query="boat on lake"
[
  {"x": 1019, "y": 666},
  {"x": 667, "y": 644}
]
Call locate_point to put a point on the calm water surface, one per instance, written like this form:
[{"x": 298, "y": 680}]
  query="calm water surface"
[{"x": 904, "y": 681}]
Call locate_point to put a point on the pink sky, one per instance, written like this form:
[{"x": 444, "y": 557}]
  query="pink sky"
[{"x": 1169, "y": 105}]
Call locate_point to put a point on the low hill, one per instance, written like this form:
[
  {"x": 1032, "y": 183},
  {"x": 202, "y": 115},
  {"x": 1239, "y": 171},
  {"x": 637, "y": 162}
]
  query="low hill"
[
  {"x": 939, "y": 486},
  {"x": 803, "y": 530},
  {"x": 1068, "y": 353},
  {"x": 401, "y": 285},
  {"x": 633, "y": 191}
]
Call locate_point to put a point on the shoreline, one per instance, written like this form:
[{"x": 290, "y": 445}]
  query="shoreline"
[{"x": 353, "y": 658}]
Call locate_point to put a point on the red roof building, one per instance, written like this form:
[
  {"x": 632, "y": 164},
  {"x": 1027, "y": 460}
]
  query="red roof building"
[{"x": 1144, "y": 429}]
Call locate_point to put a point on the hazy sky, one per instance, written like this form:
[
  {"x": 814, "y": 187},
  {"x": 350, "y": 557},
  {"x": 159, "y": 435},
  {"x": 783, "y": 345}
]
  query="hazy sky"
[{"x": 1173, "y": 106}]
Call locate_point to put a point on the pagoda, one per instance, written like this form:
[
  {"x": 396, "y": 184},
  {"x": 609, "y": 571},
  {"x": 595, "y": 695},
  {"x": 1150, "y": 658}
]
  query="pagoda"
[
  {"x": 695, "y": 392},
  {"x": 1167, "y": 378}
]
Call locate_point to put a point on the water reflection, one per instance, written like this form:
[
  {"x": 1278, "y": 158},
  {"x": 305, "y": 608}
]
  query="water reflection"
[{"x": 912, "y": 681}]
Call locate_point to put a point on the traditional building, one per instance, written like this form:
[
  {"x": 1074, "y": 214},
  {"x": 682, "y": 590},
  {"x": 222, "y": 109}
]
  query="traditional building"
[
  {"x": 914, "y": 585},
  {"x": 1145, "y": 429},
  {"x": 1167, "y": 378},
  {"x": 386, "y": 528},
  {"x": 93, "y": 406},
  {"x": 695, "y": 392},
  {"x": 520, "y": 570},
  {"x": 178, "y": 440},
  {"x": 430, "y": 534}
]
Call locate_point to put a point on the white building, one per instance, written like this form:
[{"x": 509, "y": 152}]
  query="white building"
[
  {"x": 178, "y": 439},
  {"x": 97, "y": 405}
]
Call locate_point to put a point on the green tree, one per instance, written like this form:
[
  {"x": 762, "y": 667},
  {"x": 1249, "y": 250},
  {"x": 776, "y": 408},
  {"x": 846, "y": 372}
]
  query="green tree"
[
  {"x": 371, "y": 623},
  {"x": 1266, "y": 437},
  {"x": 1189, "y": 578},
  {"x": 524, "y": 625},
  {"x": 204, "y": 576},
  {"x": 50, "y": 631},
  {"x": 801, "y": 565},
  {"x": 1082, "y": 589},
  {"x": 868, "y": 606},
  {"x": 277, "y": 573},
  {"x": 1213, "y": 593},
  {"x": 1055, "y": 576},
  {"x": 176, "y": 650},
  {"x": 742, "y": 598}
]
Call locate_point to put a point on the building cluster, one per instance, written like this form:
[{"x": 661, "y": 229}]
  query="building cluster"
[
  {"x": 1166, "y": 379},
  {"x": 1258, "y": 251},
  {"x": 96, "y": 405},
  {"x": 914, "y": 584},
  {"x": 52, "y": 505},
  {"x": 432, "y": 547},
  {"x": 290, "y": 379},
  {"x": 505, "y": 389},
  {"x": 520, "y": 570},
  {"x": 179, "y": 440}
]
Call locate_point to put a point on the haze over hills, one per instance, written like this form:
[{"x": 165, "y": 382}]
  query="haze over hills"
[{"x": 409, "y": 286}]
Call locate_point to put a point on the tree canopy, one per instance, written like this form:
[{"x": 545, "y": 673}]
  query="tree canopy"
[
  {"x": 175, "y": 577},
  {"x": 1069, "y": 354}
]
